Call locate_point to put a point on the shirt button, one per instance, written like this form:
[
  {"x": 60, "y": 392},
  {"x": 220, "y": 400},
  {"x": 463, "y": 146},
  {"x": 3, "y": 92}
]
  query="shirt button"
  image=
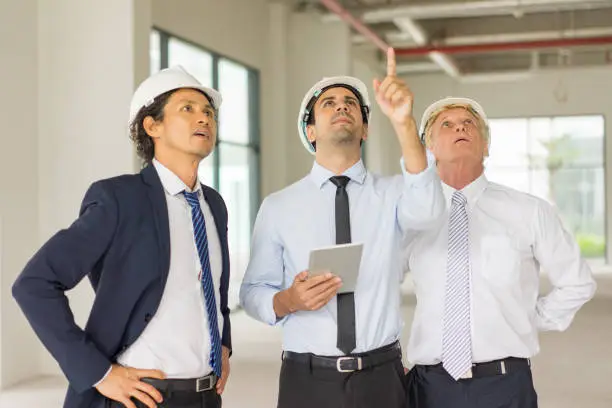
[{"x": 148, "y": 317}]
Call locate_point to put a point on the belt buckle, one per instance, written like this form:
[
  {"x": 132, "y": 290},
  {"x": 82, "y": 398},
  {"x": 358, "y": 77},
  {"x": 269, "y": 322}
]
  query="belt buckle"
[
  {"x": 341, "y": 359},
  {"x": 201, "y": 383},
  {"x": 468, "y": 374}
]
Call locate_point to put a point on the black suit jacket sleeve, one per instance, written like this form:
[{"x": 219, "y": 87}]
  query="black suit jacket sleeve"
[
  {"x": 57, "y": 267},
  {"x": 226, "y": 338}
]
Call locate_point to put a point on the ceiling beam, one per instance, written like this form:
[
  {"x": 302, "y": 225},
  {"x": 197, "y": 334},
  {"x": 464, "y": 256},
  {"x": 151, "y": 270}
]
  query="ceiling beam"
[
  {"x": 475, "y": 8},
  {"x": 401, "y": 39},
  {"x": 505, "y": 46},
  {"x": 420, "y": 37},
  {"x": 415, "y": 67},
  {"x": 528, "y": 36},
  {"x": 496, "y": 77}
]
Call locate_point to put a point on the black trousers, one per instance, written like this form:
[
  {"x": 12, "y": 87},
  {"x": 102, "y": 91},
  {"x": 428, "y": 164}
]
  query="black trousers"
[
  {"x": 206, "y": 399},
  {"x": 303, "y": 386},
  {"x": 433, "y": 388}
]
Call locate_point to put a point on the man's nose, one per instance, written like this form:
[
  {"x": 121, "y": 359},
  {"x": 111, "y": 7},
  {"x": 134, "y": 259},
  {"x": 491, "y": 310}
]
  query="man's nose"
[
  {"x": 342, "y": 106},
  {"x": 203, "y": 119}
]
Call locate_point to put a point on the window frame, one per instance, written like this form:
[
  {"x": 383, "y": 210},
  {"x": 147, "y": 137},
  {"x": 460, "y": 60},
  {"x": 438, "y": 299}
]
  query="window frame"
[
  {"x": 604, "y": 164},
  {"x": 253, "y": 144}
]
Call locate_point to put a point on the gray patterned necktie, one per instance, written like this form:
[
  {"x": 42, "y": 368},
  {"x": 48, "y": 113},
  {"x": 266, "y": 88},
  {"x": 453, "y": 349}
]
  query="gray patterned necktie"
[{"x": 456, "y": 338}]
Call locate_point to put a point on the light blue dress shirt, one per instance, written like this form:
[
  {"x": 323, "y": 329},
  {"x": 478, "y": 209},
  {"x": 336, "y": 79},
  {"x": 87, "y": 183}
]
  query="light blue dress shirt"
[{"x": 300, "y": 218}]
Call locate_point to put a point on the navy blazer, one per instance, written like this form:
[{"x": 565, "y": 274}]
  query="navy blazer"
[{"x": 121, "y": 240}]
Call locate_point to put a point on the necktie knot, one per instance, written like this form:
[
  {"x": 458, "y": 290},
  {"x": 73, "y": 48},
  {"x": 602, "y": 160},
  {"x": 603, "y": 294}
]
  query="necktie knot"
[
  {"x": 192, "y": 198},
  {"x": 459, "y": 199},
  {"x": 340, "y": 181}
]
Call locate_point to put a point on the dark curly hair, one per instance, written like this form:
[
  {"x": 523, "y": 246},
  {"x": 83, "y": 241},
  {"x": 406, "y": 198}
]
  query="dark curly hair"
[{"x": 145, "y": 148}]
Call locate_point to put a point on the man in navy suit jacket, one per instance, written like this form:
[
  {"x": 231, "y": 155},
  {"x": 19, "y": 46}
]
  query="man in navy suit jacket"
[{"x": 154, "y": 246}]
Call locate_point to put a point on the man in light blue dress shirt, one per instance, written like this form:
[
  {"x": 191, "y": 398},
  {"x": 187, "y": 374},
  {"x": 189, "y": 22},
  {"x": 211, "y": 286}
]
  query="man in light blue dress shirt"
[{"x": 277, "y": 288}]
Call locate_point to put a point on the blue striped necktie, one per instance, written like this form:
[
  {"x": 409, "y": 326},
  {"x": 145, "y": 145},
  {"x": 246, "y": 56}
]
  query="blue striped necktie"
[
  {"x": 208, "y": 288},
  {"x": 457, "y": 338}
]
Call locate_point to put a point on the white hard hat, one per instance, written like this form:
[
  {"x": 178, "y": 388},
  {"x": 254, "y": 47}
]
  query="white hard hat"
[
  {"x": 167, "y": 80},
  {"x": 313, "y": 94},
  {"x": 447, "y": 102}
]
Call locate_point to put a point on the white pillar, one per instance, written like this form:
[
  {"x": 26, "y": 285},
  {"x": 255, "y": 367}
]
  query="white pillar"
[
  {"x": 18, "y": 178},
  {"x": 70, "y": 69},
  {"x": 275, "y": 113},
  {"x": 92, "y": 56},
  {"x": 316, "y": 50}
]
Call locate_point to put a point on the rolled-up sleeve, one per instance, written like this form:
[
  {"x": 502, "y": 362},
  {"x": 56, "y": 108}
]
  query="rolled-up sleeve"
[
  {"x": 569, "y": 274},
  {"x": 421, "y": 201},
  {"x": 264, "y": 275}
]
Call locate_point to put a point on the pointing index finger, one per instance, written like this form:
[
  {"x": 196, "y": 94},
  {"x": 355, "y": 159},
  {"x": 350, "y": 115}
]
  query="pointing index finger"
[{"x": 391, "y": 62}]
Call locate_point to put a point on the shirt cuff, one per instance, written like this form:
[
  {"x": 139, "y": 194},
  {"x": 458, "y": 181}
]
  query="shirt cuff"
[
  {"x": 546, "y": 321},
  {"x": 423, "y": 178},
  {"x": 103, "y": 378},
  {"x": 267, "y": 312}
]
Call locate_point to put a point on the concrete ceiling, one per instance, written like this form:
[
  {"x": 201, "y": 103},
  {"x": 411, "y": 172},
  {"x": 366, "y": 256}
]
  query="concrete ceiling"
[{"x": 479, "y": 37}]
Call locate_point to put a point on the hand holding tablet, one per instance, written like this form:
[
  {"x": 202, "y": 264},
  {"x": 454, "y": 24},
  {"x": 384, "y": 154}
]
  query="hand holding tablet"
[{"x": 340, "y": 260}]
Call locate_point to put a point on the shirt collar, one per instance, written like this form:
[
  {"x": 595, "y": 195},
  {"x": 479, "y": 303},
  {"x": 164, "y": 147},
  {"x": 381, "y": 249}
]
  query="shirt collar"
[
  {"x": 171, "y": 182},
  {"x": 471, "y": 192},
  {"x": 320, "y": 175}
]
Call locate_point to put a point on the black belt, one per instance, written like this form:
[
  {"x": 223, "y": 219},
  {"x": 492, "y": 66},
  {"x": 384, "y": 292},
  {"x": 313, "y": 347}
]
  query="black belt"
[
  {"x": 202, "y": 384},
  {"x": 350, "y": 363},
  {"x": 490, "y": 368}
]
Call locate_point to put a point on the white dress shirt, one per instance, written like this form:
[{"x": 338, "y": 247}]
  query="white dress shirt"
[
  {"x": 300, "y": 218},
  {"x": 512, "y": 235},
  {"x": 176, "y": 340}
]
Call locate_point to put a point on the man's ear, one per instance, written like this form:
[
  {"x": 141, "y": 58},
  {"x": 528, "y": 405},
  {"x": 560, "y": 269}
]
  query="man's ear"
[
  {"x": 365, "y": 132},
  {"x": 311, "y": 133},
  {"x": 151, "y": 127}
]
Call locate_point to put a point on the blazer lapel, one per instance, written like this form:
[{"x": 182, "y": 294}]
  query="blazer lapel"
[
  {"x": 157, "y": 199},
  {"x": 216, "y": 212}
]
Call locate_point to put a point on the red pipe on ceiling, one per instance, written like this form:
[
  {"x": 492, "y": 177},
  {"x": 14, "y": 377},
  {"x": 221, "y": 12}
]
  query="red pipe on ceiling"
[
  {"x": 519, "y": 45},
  {"x": 358, "y": 25},
  {"x": 334, "y": 7}
]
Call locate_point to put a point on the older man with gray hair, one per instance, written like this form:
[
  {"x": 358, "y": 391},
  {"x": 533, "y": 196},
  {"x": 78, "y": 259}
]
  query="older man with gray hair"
[{"x": 477, "y": 276}]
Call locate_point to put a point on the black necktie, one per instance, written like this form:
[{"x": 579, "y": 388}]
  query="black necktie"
[{"x": 346, "y": 301}]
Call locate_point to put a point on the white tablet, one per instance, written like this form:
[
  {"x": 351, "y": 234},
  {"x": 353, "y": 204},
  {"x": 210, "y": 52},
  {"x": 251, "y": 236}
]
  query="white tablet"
[{"x": 341, "y": 260}]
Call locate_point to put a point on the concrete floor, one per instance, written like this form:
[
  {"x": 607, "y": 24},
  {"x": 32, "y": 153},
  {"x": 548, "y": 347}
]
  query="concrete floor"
[{"x": 574, "y": 369}]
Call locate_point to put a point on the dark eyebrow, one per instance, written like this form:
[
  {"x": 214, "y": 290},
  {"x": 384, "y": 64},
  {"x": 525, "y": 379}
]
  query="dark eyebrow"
[
  {"x": 191, "y": 102},
  {"x": 346, "y": 98}
]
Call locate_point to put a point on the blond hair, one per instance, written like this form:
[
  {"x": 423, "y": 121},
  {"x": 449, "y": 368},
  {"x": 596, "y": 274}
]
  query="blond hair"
[{"x": 484, "y": 129}]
